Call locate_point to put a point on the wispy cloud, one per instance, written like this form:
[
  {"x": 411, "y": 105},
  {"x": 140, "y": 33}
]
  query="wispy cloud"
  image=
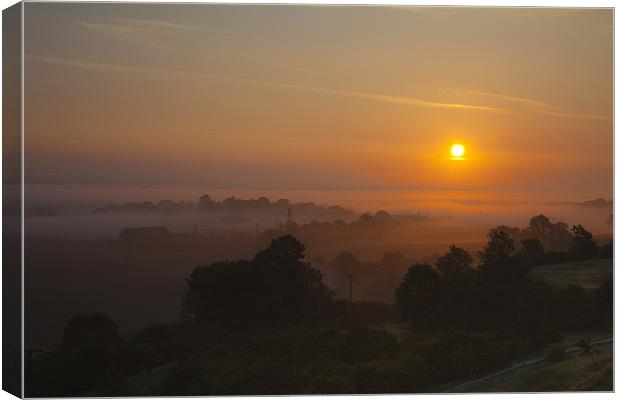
[
  {"x": 142, "y": 26},
  {"x": 178, "y": 74},
  {"x": 144, "y": 31},
  {"x": 537, "y": 106}
]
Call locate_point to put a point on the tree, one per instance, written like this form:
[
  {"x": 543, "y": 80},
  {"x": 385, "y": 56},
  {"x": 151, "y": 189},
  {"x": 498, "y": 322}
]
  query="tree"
[
  {"x": 497, "y": 263},
  {"x": 282, "y": 250},
  {"x": 90, "y": 330},
  {"x": 553, "y": 236},
  {"x": 607, "y": 250},
  {"x": 454, "y": 263},
  {"x": 89, "y": 354},
  {"x": 540, "y": 225},
  {"x": 206, "y": 203},
  {"x": 366, "y": 218},
  {"x": 532, "y": 251},
  {"x": 277, "y": 285},
  {"x": 498, "y": 250},
  {"x": 583, "y": 246},
  {"x": 418, "y": 292},
  {"x": 586, "y": 349},
  {"x": 346, "y": 263},
  {"x": 219, "y": 292},
  {"x": 383, "y": 216}
]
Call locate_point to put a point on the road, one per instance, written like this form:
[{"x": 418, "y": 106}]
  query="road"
[{"x": 521, "y": 364}]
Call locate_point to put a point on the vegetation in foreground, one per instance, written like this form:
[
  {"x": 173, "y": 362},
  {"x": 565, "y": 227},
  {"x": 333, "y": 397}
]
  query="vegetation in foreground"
[
  {"x": 573, "y": 372},
  {"x": 269, "y": 325}
]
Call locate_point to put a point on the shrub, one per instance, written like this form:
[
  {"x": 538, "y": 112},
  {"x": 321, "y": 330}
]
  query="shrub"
[{"x": 555, "y": 353}]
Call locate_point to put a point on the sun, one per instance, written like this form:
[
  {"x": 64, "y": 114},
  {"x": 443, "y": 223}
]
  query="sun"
[{"x": 457, "y": 150}]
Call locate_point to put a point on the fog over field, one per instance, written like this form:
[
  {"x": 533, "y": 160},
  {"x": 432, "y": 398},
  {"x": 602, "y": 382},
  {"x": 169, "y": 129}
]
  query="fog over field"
[
  {"x": 68, "y": 210},
  {"x": 76, "y": 231}
]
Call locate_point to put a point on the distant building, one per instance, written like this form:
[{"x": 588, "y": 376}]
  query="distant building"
[{"x": 145, "y": 236}]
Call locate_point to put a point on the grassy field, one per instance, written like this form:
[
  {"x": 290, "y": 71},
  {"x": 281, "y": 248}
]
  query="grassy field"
[
  {"x": 576, "y": 373},
  {"x": 589, "y": 274}
]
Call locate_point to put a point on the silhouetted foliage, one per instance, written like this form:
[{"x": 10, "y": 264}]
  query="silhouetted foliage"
[
  {"x": 346, "y": 263},
  {"x": 454, "y": 263},
  {"x": 498, "y": 250},
  {"x": 605, "y": 300},
  {"x": 532, "y": 252},
  {"x": 87, "y": 357},
  {"x": 185, "y": 379},
  {"x": 607, "y": 250},
  {"x": 277, "y": 285},
  {"x": 268, "y": 325},
  {"x": 552, "y": 236},
  {"x": 418, "y": 293},
  {"x": 574, "y": 308},
  {"x": 90, "y": 330},
  {"x": 497, "y": 262},
  {"x": 583, "y": 246}
]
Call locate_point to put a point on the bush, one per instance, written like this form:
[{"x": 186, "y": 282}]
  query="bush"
[
  {"x": 555, "y": 353},
  {"x": 185, "y": 379}
]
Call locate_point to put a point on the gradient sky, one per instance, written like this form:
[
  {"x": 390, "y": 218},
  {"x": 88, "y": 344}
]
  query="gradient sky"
[{"x": 320, "y": 97}]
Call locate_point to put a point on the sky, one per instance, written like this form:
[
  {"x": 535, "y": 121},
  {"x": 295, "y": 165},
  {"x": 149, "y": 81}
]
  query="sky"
[{"x": 320, "y": 97}]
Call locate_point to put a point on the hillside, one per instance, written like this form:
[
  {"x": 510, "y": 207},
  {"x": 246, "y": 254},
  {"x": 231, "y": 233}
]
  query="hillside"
[{"x": 588, "y": 274}]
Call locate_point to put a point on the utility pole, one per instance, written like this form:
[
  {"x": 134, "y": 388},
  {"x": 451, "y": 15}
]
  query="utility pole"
[
  {"x": 350, "y": 287},
  {"x": 350, "y": 307}
]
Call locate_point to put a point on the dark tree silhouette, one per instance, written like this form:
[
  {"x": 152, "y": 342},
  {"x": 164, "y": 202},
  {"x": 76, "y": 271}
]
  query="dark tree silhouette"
[
  {"x": 219, "y": 292},
  {"x": 275, "y": 286},
  {"x": 553, "y": 236},
  {"x": 367, "y": 218},
  {"x": 497, "y": 261},
  {"x": 607, "y": 250},
  {"x": 282, "y": 250},
  {"x": 206, "y": 203},
  {"x": 454, "y": 263},
  {"x": 419, "y": 291},
  {"x": 583, "y": 246},
  {"x": 96, "y": 329},
  {"x": 586, "y": 349},
  {"x": 498, "y": 250},
  {"x": 532, "y": 251}
]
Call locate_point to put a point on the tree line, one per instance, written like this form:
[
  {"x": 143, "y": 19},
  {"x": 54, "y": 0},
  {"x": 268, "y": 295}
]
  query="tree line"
[{"x": 270, "y": 325}]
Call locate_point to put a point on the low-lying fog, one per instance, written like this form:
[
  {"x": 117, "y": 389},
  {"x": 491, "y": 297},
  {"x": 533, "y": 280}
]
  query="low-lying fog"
[
  {"x": 74, "y": 261},
  {"x": 69, "y": 211}
]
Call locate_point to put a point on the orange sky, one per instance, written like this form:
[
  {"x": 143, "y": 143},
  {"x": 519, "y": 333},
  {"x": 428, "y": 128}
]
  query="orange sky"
[{"x": 320, "y": 97}]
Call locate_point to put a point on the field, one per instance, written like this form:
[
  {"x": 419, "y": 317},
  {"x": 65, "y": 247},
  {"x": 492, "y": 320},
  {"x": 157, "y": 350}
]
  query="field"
[
  {"x": 576, "y": 373},
  {"x": 589, "y": 274}
]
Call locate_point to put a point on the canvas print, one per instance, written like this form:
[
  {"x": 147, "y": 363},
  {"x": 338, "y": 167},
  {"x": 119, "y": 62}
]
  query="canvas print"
[{"x": 228, "y": 199}]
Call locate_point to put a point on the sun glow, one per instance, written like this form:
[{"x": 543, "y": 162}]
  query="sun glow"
[{"x": 457, "y": 150}]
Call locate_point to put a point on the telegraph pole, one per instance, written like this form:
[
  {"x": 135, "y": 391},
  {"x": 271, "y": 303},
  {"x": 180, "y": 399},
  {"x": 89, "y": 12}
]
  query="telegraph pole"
[
  {"x": 350, "y": 307},
  {"x": 350, "y": 287}
]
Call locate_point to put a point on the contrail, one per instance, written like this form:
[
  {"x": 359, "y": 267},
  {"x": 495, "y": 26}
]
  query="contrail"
[{"x": 164, "y": 72}]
